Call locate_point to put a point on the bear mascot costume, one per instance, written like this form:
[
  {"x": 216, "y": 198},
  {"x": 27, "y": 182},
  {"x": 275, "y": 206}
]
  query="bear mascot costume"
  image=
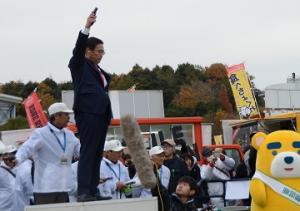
[{"x": 275, "y": 185}]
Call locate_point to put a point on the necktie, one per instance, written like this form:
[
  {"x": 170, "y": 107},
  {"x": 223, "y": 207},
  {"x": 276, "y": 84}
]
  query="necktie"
[{"x": 103, "y": 79}]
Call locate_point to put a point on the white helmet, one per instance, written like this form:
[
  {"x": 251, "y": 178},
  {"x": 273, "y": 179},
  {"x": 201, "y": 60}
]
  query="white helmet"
[{"x": 10, "y": 149}]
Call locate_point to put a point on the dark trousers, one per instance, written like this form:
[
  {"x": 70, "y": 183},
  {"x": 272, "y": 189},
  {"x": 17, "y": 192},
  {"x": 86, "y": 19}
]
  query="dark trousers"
[
  {"x": 50, "y": 198},
  {"x": 92, "y": 134}
]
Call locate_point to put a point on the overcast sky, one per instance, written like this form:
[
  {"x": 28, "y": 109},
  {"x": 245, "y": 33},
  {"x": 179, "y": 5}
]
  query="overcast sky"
[{"x": 37, "y": 36}]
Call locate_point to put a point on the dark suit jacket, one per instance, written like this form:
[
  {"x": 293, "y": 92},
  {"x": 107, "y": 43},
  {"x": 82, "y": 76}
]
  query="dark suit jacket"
[{"x": 89, "y": 94}]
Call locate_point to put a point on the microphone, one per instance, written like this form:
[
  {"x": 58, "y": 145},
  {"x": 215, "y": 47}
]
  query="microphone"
[
  {"x": 135, "y": 144},
  {"x": 95, "y": 10}
]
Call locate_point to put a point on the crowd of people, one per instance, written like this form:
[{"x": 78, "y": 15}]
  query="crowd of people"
[
  {"x": 44, "y": 170},
  {"x": 54, "y": 166}
]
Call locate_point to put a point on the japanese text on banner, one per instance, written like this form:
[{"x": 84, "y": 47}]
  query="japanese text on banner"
[{"x": 241, "y": 88}]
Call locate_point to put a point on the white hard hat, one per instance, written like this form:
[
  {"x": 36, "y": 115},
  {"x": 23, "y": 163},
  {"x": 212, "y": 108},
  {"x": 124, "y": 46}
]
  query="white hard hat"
[{"x": 57, "y": 108}]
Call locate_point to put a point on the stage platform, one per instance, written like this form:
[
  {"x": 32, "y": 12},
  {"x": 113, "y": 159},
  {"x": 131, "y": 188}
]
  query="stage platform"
[{"x": 109, "y": 205}]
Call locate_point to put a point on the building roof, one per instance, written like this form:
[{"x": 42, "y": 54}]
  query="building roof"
[
  {"x": 10, "y": 98},
  {"x": 284, "y": 86}
]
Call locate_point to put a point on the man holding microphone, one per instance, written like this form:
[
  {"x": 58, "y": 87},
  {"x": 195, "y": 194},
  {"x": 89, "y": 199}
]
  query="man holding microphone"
[{"x": 92, "y": 108}]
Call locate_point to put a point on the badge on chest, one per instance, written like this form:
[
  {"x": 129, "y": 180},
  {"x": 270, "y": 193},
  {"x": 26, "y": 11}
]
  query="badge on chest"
[{"x": 64, "y": 160}]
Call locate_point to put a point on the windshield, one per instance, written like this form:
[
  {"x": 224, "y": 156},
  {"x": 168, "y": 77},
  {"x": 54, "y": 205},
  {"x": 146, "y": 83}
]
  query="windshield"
[
  {"x": 154, "y": 134},
  {"x": 241, "y": 133}
]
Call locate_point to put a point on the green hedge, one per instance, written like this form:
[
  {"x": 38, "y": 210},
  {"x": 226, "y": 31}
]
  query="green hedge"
[{"x": 19, "y": 122}]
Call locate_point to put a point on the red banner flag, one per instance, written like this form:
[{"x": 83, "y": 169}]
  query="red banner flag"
[{"x": 34, "y": 112}]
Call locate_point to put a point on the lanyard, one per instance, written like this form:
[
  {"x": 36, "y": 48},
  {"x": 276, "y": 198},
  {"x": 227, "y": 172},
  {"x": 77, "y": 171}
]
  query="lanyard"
[
  {"x": 118, "y": 177},
  {"x": 63, "y": 147},
  {"x": 9, "y": 171}
]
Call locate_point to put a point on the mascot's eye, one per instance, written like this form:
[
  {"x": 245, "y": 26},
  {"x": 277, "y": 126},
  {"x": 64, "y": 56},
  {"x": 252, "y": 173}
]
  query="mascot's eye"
[
  {"x": 274, "y": 152},
  {"x": 274, "y": 145},
  {"x": 296, "y": 144}
]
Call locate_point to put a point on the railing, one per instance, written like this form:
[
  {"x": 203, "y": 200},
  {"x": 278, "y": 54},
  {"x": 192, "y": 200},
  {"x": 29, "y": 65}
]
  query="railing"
[{"x": 229, "y": 191}]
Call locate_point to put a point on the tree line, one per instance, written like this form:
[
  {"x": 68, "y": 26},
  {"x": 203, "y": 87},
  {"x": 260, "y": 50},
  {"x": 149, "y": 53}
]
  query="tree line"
[{"x": 188, "y": 90}]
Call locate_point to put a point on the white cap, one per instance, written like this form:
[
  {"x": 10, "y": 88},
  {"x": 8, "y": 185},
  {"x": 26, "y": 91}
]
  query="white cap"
[
  {"x": 113, "y": 145},
  {"x": 2, "y": 147},
  {"x": 10, "y": 149},
  {"x": 156, "y": 150},
  {"x": 58, "y": 107}
]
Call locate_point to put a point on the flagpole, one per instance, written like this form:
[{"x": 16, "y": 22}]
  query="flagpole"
[{"x": 256, "y": 104}]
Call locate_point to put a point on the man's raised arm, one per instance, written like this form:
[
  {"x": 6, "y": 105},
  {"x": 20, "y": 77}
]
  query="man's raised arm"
[{"x": 79, "y": 50}]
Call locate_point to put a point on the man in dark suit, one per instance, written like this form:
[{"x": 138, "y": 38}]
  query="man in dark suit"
[{"x": 91, "y": 107}]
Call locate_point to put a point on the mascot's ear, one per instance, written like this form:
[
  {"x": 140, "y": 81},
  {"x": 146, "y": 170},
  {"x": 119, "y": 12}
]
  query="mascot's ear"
[{"x": 258, "y": 139}]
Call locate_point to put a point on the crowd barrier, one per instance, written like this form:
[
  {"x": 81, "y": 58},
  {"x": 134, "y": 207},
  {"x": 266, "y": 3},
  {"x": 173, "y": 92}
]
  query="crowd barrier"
[{"x": 232, "y": 192}]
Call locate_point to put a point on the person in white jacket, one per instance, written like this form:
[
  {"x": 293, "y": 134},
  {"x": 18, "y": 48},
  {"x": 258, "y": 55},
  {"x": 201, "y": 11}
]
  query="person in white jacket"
[
  {"x": 8, "y": 179},
  {"x": 52, "y": 148},
  {"x": 24, "y": 184},
  {"x": 216, "y": 166},
  {"x": 157, "y": 155},
  {"x": 113, "y": 173}
]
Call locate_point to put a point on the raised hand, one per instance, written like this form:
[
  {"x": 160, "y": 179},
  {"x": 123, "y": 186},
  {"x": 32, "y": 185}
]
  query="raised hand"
[{"x": 90, "y": 20}]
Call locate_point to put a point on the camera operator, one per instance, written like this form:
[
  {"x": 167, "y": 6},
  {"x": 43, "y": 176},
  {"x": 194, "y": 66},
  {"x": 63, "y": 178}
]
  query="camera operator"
[{"x": 215, "y": 166}]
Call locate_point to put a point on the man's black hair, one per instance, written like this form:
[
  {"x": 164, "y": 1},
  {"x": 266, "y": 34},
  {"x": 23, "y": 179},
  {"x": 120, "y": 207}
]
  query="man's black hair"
[
  {"x": 189, "y": 180},
  {"x": 92, "y": 42},
  {"x": 206, "y": 152},
  {"x": 187, "y": 156},
  {"x": 126, "y": 156}
]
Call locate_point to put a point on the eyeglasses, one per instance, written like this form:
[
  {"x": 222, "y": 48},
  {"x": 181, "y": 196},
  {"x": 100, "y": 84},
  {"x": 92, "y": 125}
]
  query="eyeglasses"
[{"x": 100, "y": 51}]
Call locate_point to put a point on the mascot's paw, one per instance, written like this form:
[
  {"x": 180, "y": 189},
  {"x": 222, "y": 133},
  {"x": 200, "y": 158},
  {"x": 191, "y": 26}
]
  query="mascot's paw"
[{"x": 258, "y": 192}]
